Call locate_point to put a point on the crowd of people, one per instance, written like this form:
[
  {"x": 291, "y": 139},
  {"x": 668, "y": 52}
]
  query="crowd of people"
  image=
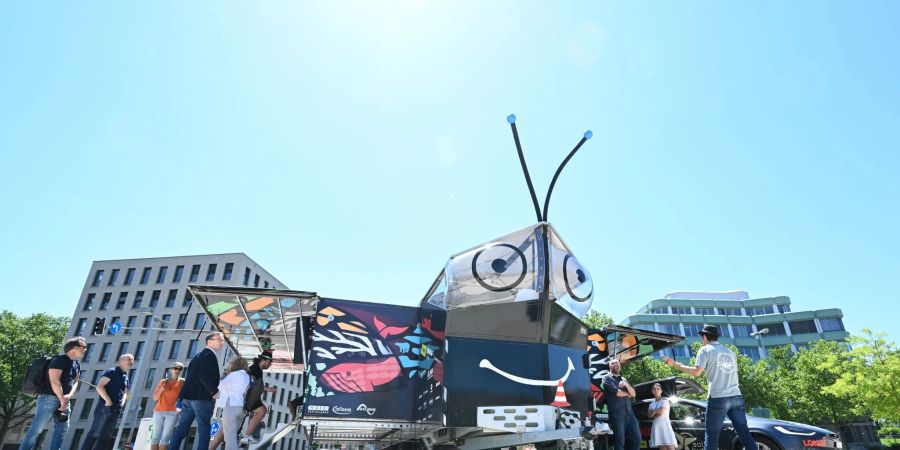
[{"x": 182, "y": 399}]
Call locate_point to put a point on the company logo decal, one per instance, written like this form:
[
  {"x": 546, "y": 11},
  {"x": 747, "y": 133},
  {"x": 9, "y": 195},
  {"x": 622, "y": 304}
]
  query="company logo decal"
[
  {"x": 366, "y": 409},
  {"x": 341, "y": 410}
]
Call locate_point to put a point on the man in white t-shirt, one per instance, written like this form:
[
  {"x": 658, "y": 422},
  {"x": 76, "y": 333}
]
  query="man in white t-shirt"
[{"x": 725, "y": 399}]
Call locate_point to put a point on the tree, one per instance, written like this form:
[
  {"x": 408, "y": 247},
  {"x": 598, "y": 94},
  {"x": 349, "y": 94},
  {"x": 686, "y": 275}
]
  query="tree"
[
  {"x": 21, "y": 340},
  {"x": 596, "y": 319},
  {"x": 871, "y": 377},
  {"x": 648, "y": 369}
]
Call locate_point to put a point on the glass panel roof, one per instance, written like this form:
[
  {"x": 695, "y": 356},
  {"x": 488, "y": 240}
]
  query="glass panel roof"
[{"x": 254, "y": 320}]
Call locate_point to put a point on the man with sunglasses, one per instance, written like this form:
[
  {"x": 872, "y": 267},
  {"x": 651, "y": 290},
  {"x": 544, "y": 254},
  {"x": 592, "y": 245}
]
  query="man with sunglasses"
[
  {"x": 201, "y": 383},
  {"x": 165, "y": 414},
  {"x": 63, "y": 372}
]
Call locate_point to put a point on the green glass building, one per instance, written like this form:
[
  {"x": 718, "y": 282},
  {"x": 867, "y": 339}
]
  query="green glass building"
[{"x": 753, "y": 325}]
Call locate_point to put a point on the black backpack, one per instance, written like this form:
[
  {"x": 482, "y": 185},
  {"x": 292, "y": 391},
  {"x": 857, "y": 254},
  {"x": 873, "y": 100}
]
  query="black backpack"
[{"x": 37, "y": 377}]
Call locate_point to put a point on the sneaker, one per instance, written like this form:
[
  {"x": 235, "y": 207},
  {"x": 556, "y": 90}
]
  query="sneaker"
[{"x": 249, "y": 440}]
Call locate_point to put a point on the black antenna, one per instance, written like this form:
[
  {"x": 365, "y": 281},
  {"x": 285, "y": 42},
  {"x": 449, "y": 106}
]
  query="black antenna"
[
  {"x": 587, "y": 135},
  {"x": 512, "y": 123}
]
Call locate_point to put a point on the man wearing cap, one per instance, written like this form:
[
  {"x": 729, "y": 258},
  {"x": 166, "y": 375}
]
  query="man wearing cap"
[
  {"x": 725, "y": 399},
  {"x": 253, "y": 403}
]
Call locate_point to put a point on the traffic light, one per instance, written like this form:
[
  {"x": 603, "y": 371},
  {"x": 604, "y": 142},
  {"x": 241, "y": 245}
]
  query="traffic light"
[{"x": 99, "y": 326}]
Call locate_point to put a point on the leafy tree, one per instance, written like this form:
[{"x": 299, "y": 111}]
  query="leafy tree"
[
  {"x": 596, "y": 319},
  {"x": 871, "y": 377},
  {"x": 648, "y": 369},
  {"x": 21, "y": 340}
]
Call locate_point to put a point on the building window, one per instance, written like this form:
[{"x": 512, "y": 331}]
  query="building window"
[
  {"x": 645, "y": 326},
  {"x": 705, "y": 311},
  {"x": 108, "y": 326},
  {"x": 120, "y": 303},
  {"x": 834, "y": 324},
  {"x": 723, "y": 329},
  {"x": 113, "y": 277},
  {"x": 188, "y": 298},
  {"x": 750, "y": 352},
  {"x": 88, "y": 352},
  {"x": 182, "y": 321},
  {"x": 151, "y": 377},
  {"x": 195, "y": 272},
  {"x": 86, "y": 409},
  {"x": 138, "y": 299},
  {"x": 211, "y": 273},
  {"x": 104, "y": 353},
  {"x": 145, "y": 275},
  {"x": 229, "y": 268},
  {"x": 80, "y": 328},
  {"x": 88, "y": 303},
  {"x": 670, "y": 328},
  {"x": 730, "y": 312},
  {"x": 265, "y": 284},
  {"x": 161, "y": 276},
  {"x": 143, "y": 407},
  {"x": 170, "y": 300},
  {"x": 104, "y": 304},
  {"x": 199, "y": 321},
  {"x": 803, "y": 327},
  {"x": 147, "y": 321},
  {"x": 129, "y": 277},
  {"x": 760, "y": 310},
  {"x": 692, "y": 330},
  {"x": 98, "y": 278},
  {"x": 192, "y": 349},
  {"x": 157, "y": 350},
  {"x": 681, "y": 310},
  {"x": 166, "y": 321},
  {"x": 179, "y": 271},
  {"x": 784, "y": 308},
  {"x": 139, "y": 351},
  {"x": 256, "y": 281},
  {"x": 741, "y": 331},
  {"x": 76, "y": 440},
  {"x": 129, "y": 326},
  {"x": 95, "y": 378},
  {"x": 174, "y": 349},
  {"x": 660, "y": 310},
  {"x": 123, "y": 349},
  {"x": 246, "y": 276},
  {"x": 680, "y": 352},
  {"x": 775, "y": 329},
  {"x": 154, "y": 299}
]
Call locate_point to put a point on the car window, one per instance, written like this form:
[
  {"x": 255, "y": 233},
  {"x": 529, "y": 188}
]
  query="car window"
[
  {"x": 640, "y": 409},
  {"x": 681, "y": 411}
]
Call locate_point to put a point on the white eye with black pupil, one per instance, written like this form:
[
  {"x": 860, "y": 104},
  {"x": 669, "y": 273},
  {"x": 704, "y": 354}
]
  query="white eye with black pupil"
[{"x": 499, "y": 267}]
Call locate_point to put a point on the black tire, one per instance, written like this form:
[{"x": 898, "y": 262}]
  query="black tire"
[{"x": 762, "y": 443}]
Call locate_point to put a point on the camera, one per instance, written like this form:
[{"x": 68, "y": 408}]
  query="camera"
[{"x": 60, "y": 416}]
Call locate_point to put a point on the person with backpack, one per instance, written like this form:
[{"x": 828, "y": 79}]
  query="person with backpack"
[
  {"x": 253, "y": 403},
  {"x": 55, "y": 387},
  {"x": 111, "y": 389}
]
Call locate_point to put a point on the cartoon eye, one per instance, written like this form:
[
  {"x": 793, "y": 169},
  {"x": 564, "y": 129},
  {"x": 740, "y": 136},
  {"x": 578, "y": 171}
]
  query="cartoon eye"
[
  {"x": 578, "y": 281},
  {"x": 499, "y": 267},
  {"x": 331, "y": 317}
]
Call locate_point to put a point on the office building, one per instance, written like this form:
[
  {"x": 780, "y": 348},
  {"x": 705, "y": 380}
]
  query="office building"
[
  {"x": 160, "y": 325},
  {"x": 753, "y": 325}
]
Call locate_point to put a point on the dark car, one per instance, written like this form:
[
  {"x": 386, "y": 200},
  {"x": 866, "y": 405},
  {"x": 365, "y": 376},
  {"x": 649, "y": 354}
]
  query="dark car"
[{"x": 687, "y": 416}]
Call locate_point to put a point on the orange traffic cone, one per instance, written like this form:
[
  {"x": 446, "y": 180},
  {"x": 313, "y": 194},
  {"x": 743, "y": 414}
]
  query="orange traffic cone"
[{"x": 560, "y": 399}]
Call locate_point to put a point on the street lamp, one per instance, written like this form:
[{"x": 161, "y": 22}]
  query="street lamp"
[
  {"x": 758, "y": 335},
  {"x": 137, "y": 374}
]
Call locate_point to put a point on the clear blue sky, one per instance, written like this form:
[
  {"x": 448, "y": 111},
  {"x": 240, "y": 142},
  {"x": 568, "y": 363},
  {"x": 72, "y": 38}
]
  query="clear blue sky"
[{"x": 351, "y": 147}]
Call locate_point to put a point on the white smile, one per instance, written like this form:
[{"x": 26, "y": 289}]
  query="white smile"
[{"x": 485, "y": 364}]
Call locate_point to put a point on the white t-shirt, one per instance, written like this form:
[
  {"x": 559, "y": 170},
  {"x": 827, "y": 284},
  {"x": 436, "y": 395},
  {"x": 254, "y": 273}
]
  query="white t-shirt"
[{"x": 721, "y": 369}]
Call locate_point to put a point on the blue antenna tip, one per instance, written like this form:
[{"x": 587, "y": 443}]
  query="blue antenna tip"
[
  {"x": 511, "y": 119},
  {"x": 588, "y": 134}
]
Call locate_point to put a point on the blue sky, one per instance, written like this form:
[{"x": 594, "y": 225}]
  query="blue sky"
[{"x": 351, "y": 147}]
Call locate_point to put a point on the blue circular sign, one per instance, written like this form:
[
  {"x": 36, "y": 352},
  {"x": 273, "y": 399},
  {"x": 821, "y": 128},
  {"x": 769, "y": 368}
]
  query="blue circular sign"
[
  {"x": 213, "y": 429},
  {"x": 115, "y": 327}
]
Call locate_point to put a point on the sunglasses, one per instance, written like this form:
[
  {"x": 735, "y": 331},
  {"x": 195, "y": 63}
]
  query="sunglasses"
[{"x": 177, "y": 368}]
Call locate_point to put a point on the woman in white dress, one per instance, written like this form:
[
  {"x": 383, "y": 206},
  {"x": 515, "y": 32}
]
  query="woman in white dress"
[{"x": 661, "y": 435}]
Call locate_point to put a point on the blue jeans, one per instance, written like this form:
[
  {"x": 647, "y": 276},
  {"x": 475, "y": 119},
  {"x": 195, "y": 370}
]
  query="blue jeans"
[
  {"x": 202, "y": 410},
  {"x": 716, "y": 410},
  {"x": 100, "y": 435},
  {"x": 626, "y": 431},
  {"x": 45, "y": 405}
]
